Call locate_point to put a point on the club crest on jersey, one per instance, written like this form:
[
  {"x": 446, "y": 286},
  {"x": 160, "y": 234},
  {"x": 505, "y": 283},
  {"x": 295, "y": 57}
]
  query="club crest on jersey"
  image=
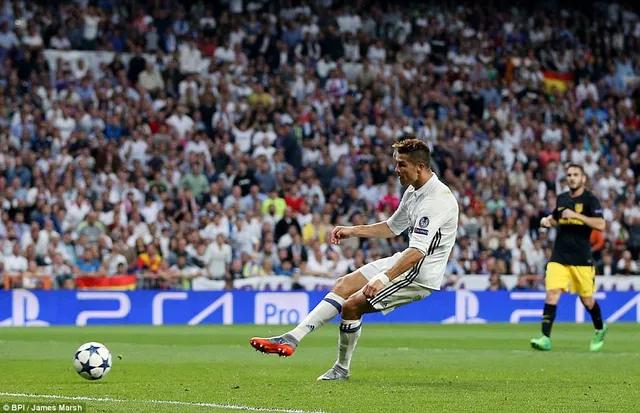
[
  {"x": 579, "y": 208},
  {"x": 424, "y": 222}
]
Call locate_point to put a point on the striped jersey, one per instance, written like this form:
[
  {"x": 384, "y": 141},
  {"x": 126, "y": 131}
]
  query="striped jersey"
[{"x": 431, "y": 215}]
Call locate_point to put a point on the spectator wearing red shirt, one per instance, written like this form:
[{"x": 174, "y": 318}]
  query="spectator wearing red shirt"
[
  {"x": 548, "y": 154},
  {"x": 293, "y": 199},
  {"x": 390, "y": 199}
]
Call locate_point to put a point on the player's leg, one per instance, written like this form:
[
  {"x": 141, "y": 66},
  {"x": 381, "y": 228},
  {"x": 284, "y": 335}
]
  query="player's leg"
[
  {"x": 556, "y": 281},
  {"x": 584, "y": 281},
  {"x": 331, "y": 305},
  {"x": 323, "y": 313},
  {"x": 350, "y": 331},
  {"x": 401, "y": 291}
]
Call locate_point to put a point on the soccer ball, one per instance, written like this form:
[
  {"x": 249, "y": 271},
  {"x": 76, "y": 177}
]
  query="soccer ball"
[{"x": 92, "y": 361}]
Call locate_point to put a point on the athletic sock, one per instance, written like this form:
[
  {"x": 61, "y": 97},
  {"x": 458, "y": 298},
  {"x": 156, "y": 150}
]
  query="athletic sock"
[
  {"x": 324, "y": 312},
  {"x": 350, "y": 331},
  {"x": 548, "y": 316},
  {"x": 596, "y": 316}
]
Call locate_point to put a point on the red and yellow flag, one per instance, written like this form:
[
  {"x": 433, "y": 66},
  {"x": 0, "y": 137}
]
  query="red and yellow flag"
[
  {"x": 117, "y": 282},
  {"x": 557, "y": 80}
]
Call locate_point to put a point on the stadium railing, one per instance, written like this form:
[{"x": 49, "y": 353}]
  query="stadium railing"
[{"x": 284, "y": 283}]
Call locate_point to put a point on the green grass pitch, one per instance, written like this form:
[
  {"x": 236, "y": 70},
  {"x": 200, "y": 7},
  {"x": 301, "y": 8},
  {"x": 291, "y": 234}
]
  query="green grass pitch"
[{"x": 396, "y": 368}]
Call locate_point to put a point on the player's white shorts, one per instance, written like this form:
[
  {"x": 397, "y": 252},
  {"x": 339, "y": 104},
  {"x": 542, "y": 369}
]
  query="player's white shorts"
[{"x": 402, "y": 290}]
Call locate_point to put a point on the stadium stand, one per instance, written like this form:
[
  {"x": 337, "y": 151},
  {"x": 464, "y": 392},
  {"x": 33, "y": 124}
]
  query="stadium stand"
[{"x": 206, "y": 145}]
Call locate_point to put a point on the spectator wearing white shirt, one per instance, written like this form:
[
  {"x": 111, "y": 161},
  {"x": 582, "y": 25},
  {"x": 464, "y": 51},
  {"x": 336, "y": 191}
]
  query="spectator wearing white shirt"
[
  {"x": 77, "y": 210},
  {"x": 190, "y": 58},
  {"x": 512, "y": 135},
  {"x": 318, "y": 265},
  {"x": 92, "y": 19},
  {"x": 44, "y": 238},
  {"x": 266, "y": 149},
  {"x": 8, "y": 39},
  {"x": 189, "y": 83},
  {"x": 308, "y": 26},
  {"x": 368, "y": 191},
  {"x": 222, "y": 120},
  {"x": 208, "y": 22},
  {"x": 352, "y": 48},
  {"x": 66, "y": 124},
  {"x": 377, "y": 53},
  {"x": 136, "y": 149},
  {"x": 181, "y": 274},
  {"x": 626, "y": 265},
  {"x": 243, "y": 136},
  {"x": 198, "y": 146},
  {"x": 421, "y": 48},
  {"x": 586, "y": 90},
  {"x": 59, "y": 270},
  {"x": 349, "y": 22},
  {"x": 150, "y": 79},
  {"x": 217, "y": 258},
  {"x": 552, "y": 134},
  {"x": 32, "y": 39},
  {"x": 225, "y": 53},
  {"x": 150, "y": 209},
  {"x": 181, "y": 122},
  {"x": 113, "y": 262},
  {"x": 215, "y": 227},
  {"x": 264, "y": 133},
  {"x": 15, "y": 263},
  {"x": 244, "y": 240}
]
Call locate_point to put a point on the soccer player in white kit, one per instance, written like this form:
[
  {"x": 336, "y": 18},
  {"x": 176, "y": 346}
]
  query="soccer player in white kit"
[{"x": 430, "y": 211}]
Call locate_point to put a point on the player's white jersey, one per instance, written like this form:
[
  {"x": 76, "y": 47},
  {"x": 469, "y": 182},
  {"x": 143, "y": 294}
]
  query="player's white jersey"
[{"x": 431, "y": 214}]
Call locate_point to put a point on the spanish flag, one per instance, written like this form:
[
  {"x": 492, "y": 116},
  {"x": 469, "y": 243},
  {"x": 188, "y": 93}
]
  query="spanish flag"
[
  {"x": 117, "y": 282},
  {"x": 557, "y": 80}
]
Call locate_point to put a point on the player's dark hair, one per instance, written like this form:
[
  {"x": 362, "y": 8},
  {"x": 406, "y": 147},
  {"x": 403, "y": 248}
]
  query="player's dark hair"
[
  {"x": 417, "y": 150},
  {"x": 575, "y": 165}
]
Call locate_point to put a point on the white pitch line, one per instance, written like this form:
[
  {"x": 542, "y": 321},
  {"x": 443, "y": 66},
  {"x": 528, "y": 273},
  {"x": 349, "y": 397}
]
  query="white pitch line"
[{"x": 170, "y": 402}]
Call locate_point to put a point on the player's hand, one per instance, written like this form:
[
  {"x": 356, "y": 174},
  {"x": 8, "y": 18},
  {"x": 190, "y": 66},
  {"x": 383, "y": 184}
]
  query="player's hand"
[
  {"x": 569, "y": 214},
  {"x": 545, "y": 222},
  {"x": 340, "y": 233},
  {"x": 372, "y": 288}
]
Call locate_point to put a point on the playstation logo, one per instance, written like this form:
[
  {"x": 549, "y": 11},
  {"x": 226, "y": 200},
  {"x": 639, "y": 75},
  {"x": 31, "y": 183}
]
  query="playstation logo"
[
  {"x": 25, "y": 309},
  {"x": 467, "y": 309}
]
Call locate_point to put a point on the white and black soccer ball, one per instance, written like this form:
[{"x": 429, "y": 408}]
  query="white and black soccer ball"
[{"x": 92, "y": 361}]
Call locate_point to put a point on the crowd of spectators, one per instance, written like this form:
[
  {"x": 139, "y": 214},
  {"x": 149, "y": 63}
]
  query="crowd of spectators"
[{"x": 235, "y": 135}]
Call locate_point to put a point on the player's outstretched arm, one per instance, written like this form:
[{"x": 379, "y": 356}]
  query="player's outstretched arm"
[
  {"x": 378, "y": 230},
  {"x": 410, "y": 257}
]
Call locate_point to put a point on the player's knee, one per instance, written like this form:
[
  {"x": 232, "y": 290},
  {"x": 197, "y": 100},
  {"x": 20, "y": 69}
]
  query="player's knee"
[
  {"x": 347, "y": 285},
  {"x": 588, "y": 302},
  {"x": 340, "y": 287},
  {"x": 553, "y": 296}
]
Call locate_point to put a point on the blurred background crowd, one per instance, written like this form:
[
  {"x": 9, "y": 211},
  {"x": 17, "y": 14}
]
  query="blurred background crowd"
[{"x": 225, "y": 139}]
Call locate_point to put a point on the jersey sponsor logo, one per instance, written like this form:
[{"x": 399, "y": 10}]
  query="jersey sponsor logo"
[
  {"x": 570, "y": 221},
  {"x": 598, "y": 211},
  {"x": 579, "y": 208},
  {"x": 424, "y": 222},
  {"x": 421, "y": 231}
]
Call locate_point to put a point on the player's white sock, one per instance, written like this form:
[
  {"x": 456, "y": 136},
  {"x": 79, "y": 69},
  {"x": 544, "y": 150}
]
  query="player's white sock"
[
  {"x": 350, "y": 331},
  {"x": 324, "y": 312}
]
